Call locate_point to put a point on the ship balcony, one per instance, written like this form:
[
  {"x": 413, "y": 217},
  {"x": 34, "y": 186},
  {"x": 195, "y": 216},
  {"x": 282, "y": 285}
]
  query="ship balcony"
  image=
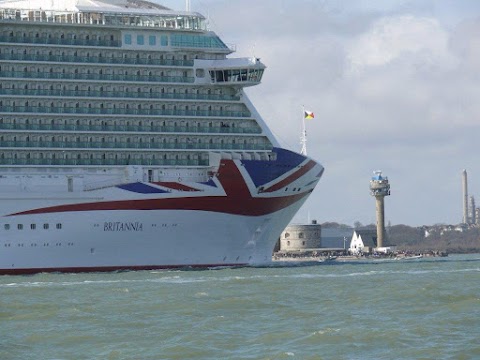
[
  {"x": 132, "y": 145},
  {"x": 95, "y": 60},
  {"x": 58, "y": 41},
  {"x": 134, "y": 128},
  {"x": 103, "y": 162},
  {"x": 117, "y": 94},
  {"x": 103, "y": 77},
  {"x": 125, "y": 111}
]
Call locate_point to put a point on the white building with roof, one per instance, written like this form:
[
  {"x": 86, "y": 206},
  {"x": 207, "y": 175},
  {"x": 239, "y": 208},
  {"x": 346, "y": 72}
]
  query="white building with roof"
[{"x": 364, "y": 241}]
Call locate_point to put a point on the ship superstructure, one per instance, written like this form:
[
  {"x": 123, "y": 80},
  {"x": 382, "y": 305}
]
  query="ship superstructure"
[{"x": 126, "y": 138}]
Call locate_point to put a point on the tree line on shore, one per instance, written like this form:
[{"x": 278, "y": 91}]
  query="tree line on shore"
[
  {"x": 456, "y": 239},
  {"x": 438, "y": 237}
]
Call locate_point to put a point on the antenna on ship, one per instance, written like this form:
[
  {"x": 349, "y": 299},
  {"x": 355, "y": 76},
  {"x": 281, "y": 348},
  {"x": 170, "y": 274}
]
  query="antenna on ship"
[{"x": 303, "y": 139}]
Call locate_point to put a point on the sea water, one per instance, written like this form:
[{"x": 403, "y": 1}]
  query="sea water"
[{"x": 414, "y": 309}]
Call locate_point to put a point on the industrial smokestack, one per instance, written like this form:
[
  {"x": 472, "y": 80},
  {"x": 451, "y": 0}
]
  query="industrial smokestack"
[
  {"x": 465, "y": 196},
  {"x": 473, "y": 216}
]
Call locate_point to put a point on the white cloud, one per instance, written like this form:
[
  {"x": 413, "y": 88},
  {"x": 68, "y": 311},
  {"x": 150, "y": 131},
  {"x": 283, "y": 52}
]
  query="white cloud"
[{"x": 391, "y": 38}]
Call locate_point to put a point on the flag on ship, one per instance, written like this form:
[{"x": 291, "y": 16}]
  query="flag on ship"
[{"x": 308, "y": 114}]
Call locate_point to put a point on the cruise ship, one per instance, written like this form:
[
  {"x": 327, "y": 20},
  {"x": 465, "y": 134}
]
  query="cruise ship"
[{"x": 127, "y": 142}]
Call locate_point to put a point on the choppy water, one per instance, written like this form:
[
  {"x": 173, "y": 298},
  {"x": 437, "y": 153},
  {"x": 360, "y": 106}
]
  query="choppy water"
[{"x": 421, "y": 309}]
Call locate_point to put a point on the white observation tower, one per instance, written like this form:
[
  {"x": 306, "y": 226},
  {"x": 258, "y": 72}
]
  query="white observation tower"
[{"x": 379, "y": 187}]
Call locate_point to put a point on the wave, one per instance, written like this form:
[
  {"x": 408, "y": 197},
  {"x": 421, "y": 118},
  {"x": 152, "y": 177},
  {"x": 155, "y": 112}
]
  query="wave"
[{"x": 181, "y": 278}]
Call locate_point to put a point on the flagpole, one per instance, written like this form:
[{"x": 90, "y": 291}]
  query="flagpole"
[{"x": 303, "y": 138}]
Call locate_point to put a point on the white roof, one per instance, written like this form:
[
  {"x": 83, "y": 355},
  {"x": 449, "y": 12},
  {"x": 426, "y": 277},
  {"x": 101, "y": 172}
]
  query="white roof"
[{"x": 133, "y": 6}]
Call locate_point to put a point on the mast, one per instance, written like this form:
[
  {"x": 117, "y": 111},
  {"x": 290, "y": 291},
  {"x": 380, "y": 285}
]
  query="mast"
[{"x": 303, "y": 137}]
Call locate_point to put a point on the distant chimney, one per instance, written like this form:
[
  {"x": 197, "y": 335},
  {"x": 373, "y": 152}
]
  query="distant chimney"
[
  {"x": 472, "y": 218},
  {"x": 465, "y": 196}
]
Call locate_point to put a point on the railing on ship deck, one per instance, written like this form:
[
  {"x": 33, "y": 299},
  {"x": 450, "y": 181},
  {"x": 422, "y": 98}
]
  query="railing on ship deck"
[
  {"x": 95, "y": 59},
  {"x": 117, "y": 94},
  {"x": 105, "y": 77},
  {"x": 134, "y": 128},
  {"x": 129, "y": 17},
  {"x": 104, "y": 162},
  {"x": 127, "y": 111},
  {"x": 108, "y": 145}
]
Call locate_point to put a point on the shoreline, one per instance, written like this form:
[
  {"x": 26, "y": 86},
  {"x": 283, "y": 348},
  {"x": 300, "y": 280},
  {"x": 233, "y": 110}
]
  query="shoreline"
[{"x": 299, "y": 258}]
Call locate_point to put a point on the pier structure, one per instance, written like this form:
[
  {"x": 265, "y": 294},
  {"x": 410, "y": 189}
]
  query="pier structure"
[{"x": 379, "y": 188}]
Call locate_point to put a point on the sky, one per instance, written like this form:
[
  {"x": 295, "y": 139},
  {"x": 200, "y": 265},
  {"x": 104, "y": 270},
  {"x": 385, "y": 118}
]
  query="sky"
[{"x": 394, "y": 86}]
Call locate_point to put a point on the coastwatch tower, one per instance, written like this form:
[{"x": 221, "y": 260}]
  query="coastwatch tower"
[{"x": 379, "y": 188}]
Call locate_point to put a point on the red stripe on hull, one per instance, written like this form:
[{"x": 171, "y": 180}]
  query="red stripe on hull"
[
  {"x": 29, "y": 271},
  {"x": 224, "y": 204},
  {"x": 291, "y": 178},
  {"x": 238, "y": 200},
  {"x": 232, "y": 180}
]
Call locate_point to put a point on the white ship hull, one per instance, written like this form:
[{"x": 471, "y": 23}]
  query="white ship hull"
[
  {"x": 233, "y": 223},
  {"x": 197, "y": 239}
]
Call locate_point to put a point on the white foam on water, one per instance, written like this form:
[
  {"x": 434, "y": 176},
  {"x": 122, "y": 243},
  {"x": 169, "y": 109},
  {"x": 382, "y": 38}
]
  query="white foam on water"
[{"x": 187, "y": 278}]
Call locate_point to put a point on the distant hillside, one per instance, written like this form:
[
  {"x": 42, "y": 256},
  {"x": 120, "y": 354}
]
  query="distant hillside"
[
  {"x": 334, "y": 225},
  {"x": 453, "y": 239},
  {"x": 404, "y": 235},
  {"x": 449, "y": 238}
]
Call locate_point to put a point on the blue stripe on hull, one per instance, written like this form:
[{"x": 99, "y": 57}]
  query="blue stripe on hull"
[
  {"x": 264, "y": 171},
  {"x": 141, "y": 188}
]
